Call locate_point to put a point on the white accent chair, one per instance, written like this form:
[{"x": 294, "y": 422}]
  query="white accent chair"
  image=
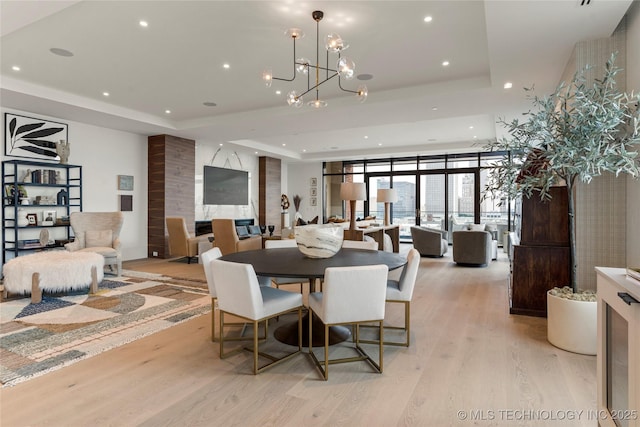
[
  {"x": 98, "y": 232},
  {"x": 401, "y": 291},
  {"x": 351, "y": 295},
  {"x": 240, "y": 295},
  {"x": 285, "y": 243},
  {"x": 370, "y": 245},
  {"x": 207, "y": 257}
]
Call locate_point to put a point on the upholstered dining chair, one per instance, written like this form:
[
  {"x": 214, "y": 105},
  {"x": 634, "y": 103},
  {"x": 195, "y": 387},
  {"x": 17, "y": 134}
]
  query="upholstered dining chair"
[
  {"x": 401, "y": 291},
  {"x": 279, "y": 281},
  {"x": 206, "y": 258},
  {"x": 351, "y": 295},
  {"x": 370, "y": 245},
  {"x": 181, "y": 243},
  {"x": 240, "y": 295},
  {"x": 226, "y": 237},
  {"x": 98, "y": 232}
]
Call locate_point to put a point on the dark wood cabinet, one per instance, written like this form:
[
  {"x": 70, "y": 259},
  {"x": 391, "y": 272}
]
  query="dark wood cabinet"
[{"x": 541, "y": 260}]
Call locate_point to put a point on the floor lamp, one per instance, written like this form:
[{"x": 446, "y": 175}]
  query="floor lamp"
[
  {"x": 353, "y": 191},
  {"x": 388, "y": 196}
]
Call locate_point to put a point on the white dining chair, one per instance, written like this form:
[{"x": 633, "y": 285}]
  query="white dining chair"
[
  {"x": 206, "y": 258},
  {"x": 240, "y": 295},
  {"x": 401, "y": 291},
  {"x": 279, "y": 281},
  {"x": 370, "y": 245},
  {"x": 351, "y": 295}
]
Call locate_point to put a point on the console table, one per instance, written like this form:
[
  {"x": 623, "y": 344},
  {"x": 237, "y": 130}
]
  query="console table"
[{"x": 618, "y": 351}]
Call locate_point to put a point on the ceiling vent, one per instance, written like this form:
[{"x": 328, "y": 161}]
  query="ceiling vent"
[{"x": 584, "y": 2}]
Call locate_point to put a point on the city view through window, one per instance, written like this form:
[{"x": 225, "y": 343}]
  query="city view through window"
[{"x": 444, "y": 193}]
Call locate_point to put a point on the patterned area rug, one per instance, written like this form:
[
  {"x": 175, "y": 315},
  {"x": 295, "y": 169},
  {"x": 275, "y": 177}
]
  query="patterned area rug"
[{"x": 65, "y": 328}]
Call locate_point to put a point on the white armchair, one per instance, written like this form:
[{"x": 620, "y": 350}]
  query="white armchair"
[{"x": 98, "y": 232}]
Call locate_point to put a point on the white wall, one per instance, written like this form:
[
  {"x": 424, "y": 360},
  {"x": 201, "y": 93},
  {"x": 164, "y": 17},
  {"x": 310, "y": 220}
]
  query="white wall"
[
  {"x": 104, "y": 154},
  {"x": 299, "y": 182},
  {"x": 633, "y": 83}
]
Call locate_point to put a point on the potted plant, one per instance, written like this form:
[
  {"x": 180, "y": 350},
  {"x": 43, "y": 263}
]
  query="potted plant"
[{"x": 577, "y": 133}]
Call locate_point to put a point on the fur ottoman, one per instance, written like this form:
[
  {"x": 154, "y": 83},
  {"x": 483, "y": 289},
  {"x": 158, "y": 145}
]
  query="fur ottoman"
[{"x": 55, "y": 271}]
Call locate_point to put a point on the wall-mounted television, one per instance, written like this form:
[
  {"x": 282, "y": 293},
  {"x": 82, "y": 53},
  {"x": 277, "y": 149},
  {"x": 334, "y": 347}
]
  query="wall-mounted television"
[{"x": 223, "y": 186}]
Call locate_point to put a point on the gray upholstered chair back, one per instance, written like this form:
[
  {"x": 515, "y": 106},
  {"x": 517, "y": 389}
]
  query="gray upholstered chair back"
[{"x": 472, "y": 247}]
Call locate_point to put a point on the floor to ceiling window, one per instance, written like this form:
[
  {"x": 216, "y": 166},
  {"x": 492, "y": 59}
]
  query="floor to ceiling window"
[{"x": 444, "y": 192}]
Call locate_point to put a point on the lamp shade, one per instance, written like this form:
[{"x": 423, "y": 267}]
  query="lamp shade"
[
  {"x": 353, "y": 191},
  {"x": 387, "y": 195}
]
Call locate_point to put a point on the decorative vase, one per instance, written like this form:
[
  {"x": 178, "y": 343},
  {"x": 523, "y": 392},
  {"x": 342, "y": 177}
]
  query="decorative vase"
[
  {"x": 22, "y": 219},
  {"x": 572, "y": 325},
  {"x": 319, "y": 240}
]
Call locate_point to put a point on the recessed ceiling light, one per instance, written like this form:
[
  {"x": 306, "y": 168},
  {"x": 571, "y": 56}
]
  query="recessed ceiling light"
[
  {"x": 364, "y": 76},
  {"x": 428, "y": 19},
  {"x": 366, "y": 137},
  {"x": 434, "y": 108},
  {"x": 225, "y": 66},
  {"x": 475, "y": 136},
  {"x": 221, "y": 144},
  {"x": 15, "y": 68},
  {"x": 278, "y": 92},
  {"x": 508, "y": 85},
  {"x": 255, "y": 152},
  {"x": 470, "y": 127},
  {"x": 209, "y": 104},
  {"x": 379, "y": 144},
  {"x": 284, "y": 145},
  {"x": 144, "y": 24},
  {"x": 105, "y": 93},
  {"x": 60, "y": 52},
  {"x": 445, "y": 63},
  {"x": 167, "y": 111},
  {"x": 304, "y": 150}
]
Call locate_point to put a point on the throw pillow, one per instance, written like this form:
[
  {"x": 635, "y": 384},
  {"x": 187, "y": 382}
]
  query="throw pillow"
[
  {"x": 98, "y": 238},
  {"x": 301, "y": 221},
  {"x": 314, "y": 220}
]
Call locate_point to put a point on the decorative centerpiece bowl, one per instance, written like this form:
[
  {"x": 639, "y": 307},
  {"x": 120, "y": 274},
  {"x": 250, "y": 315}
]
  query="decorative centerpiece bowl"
[{"x": 319, "y": 240}]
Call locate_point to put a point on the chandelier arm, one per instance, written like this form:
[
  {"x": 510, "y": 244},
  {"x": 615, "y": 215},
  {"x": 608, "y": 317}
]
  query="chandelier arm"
[
  {"x": 294, "y": 66},
  {"x": 343, "y": 89},
  {"x": 318, "y": 85}
]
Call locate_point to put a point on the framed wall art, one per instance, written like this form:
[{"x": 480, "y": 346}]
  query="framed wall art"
[
  {"x": 314, "y": 182},
  {"x": 33, "y": 138},
  {"x": 125, "y": 182},
  {"x": 126, "y": 203}
]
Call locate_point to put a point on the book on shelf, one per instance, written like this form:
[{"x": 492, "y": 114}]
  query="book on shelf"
[{"x": 29, "y": 244}]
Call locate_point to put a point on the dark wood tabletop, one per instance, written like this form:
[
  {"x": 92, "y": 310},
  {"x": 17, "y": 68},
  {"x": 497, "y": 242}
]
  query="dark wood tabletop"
[{"x": 290, "y": 262}]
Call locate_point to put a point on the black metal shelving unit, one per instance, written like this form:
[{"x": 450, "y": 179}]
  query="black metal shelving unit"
[{"x": 14, "y": 175}]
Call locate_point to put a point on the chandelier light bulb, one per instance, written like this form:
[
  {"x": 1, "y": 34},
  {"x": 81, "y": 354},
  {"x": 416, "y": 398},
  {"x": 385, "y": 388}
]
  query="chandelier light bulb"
[
  {"x": 267, "y": 76},
  {"x": 317, "y": 103},
  {"x": 293, "y": 99},
  {"x": 302, "y": 65},
  {"x": 294, "y": 33},
  {"x": 334, "y": 43},
  {"x": 362, "y": 93},
  {"x": 346, "y": 68}
]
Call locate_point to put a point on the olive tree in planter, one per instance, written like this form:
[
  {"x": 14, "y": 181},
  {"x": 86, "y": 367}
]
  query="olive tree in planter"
[{"x": 575, "y": 134}]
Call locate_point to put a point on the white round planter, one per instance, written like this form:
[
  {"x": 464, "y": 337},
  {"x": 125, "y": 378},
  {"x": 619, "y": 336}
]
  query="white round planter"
[{"x": 572, "y": 325}]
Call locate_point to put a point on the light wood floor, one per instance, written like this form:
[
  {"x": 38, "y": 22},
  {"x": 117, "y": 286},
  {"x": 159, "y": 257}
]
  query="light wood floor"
[{"x": 467, "y": 354}]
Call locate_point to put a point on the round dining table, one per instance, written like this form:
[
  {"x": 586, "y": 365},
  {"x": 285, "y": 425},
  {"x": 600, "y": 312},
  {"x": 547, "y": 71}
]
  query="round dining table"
[{"x": 290, "y": 262}]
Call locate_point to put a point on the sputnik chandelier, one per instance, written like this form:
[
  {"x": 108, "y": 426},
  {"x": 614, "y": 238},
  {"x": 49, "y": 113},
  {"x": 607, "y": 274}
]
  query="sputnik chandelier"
[{"x": 345, "y": 68}]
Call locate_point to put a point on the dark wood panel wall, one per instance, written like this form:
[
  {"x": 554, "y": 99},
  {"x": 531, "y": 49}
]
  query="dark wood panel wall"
[
  {"x": 171, "y": 175},
  {"x": 269, "y": 192}
]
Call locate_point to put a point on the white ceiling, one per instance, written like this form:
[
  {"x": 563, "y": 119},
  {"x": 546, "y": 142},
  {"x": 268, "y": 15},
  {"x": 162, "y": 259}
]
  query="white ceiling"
[{"x": 176, "y": 63}]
